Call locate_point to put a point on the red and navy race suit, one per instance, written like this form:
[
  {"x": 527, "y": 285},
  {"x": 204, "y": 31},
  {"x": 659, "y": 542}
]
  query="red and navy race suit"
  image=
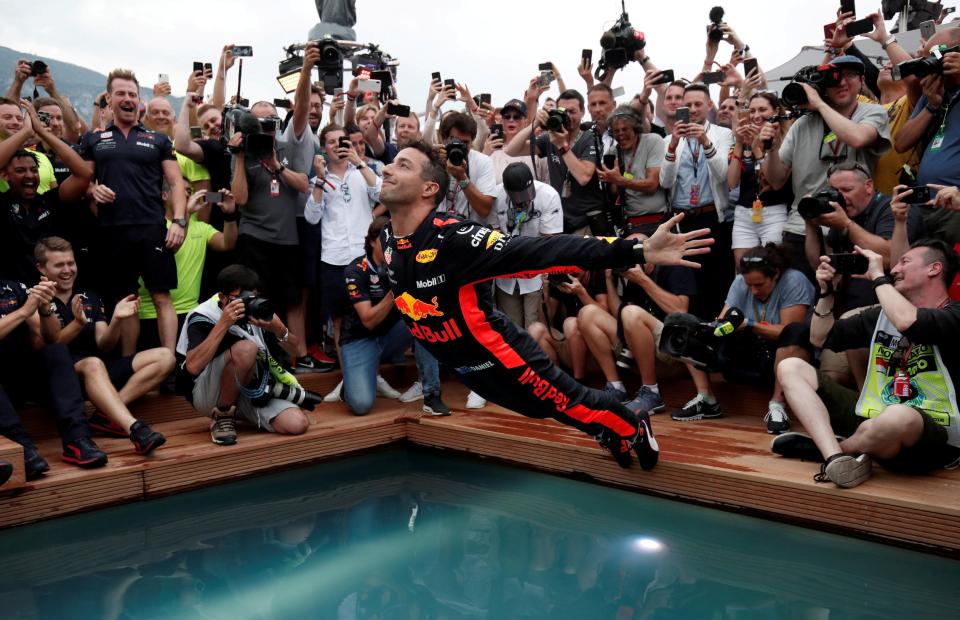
[{"x": 440, "y": 278}]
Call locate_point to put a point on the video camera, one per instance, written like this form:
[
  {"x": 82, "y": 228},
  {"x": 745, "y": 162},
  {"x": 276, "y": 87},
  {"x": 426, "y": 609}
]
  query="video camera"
[
  {"x": 620, "y": 44},
  {"x": 558, "y": 120},
  {"x": 258, "y": 133},
  {"x": 814, "y": 206},
  {"x": 819, "y": 77},
  {"x": 688, "y": 339},
  {"x": 922, "y": 67},
  {"x": 715, "y": 30}
]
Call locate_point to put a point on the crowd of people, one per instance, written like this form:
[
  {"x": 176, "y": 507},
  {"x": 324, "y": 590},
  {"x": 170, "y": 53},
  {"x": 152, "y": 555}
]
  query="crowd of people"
[{"x": 218, "y": 251}]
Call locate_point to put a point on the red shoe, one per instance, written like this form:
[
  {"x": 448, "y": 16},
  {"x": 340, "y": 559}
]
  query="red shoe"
[
  {"x": 105, "y": 425},
  {"x": 317, "y": 353}
]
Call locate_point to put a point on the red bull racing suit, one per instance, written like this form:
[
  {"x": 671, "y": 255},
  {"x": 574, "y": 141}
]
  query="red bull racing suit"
[{"x": 440, "y": 278}]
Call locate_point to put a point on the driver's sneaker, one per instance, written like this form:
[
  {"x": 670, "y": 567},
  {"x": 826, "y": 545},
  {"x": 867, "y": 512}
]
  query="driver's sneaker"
[
  {"x": 844, "y": 470},
  {"x": 646, "y": 400},
  {"x": 776, "y": 418},
  {"x": 620, "y": 447},
  {"x": 697, "y": 409},
  {"x": 645, "y": 445},
  {"x": 84, "y": 452},
  {"x": 385, "y": 389}
]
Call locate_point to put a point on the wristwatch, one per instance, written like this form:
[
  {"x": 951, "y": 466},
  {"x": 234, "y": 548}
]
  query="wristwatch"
[
  {"x": 281, "y": 169},
  {"x": 361, "y": 166},
  {"x": 890, "y": 41},
  {"x": 881, "y": 281},
  {"x": 180, "y": 221},
  {"x": 50, "y": 309},
  {"x": 464, "y": 183},
  {"x": 285, "y": 337},
  {"x": 638, "y": 252}
]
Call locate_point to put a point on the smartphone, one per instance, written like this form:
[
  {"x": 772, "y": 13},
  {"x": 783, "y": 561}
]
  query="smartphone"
[
  {"x": 683, "y": 115},
  {"x": 435, "y": 76},
  {"x": 609, "y": 160},
  {"x": 749, "y": 66},
  {"x": 242, "y": 50},
  {"x": 496, "y": 131},
  {"x": 618, "y": 92},
  {"x": 920, "y": 195},
  {"x": 213, "y": 198},
  {"x": 861, "y": 26},
  {"x": 452, "y": 83},
  {"x": 545, "y": 78},
  {"x": 848, "y": 6},
  {"x": 829, "y": 30},
  {"x": 369, "y": 86},
  {"x": 485, "y": 98},
  {"x": 344, "y": 143},
  {"x": 545, "y": 66},
  {"x": 163, "y": 78},
  {"x": 928, "y": 29},
  {"x": 282, "y": 103},
  {"x": 849, "y": 263},
  {"x": 666, "y": 77},
  {"x": 337, "y": 92},
  {"x": 208, "y": 69},
  {"x": 396, "y": 109},
  {"x": 195, "y": 132},
  {"x": 45, "y": 117},
  {"x": 586, "y": 57},
  {"x": 948, "y": 9},
  {"x": 197, "y": 66},
  {"x": 712, "y": 77},
  {"x": 385, "y": 77}
]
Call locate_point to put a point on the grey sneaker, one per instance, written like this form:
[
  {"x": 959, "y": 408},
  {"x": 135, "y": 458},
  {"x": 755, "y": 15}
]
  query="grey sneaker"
[
  {"x": 844, "y": 470},
  {"x": 434, "y": 406},
  {"x": 618, "y": 394},
  {"x": 223, "y": 426},
  {"x": 776, "y": 419},
  {"x": 697, "y": 409},
  {"x": 646, "y": 400}
]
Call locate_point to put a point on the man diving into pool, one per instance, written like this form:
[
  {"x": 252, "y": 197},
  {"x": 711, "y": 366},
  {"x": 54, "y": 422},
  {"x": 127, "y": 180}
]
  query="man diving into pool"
[{"x": 439, "y": 266}]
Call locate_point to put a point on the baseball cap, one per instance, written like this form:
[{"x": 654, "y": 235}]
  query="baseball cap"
[
  {"x": 518, "y": 183},
  {"x": 848, "y": 62},
  {"x": 517, "y": 105}
]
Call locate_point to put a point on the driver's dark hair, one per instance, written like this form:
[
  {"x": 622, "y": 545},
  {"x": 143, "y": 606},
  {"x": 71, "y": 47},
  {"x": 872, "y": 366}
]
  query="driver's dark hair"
[
  {"x": 235, "y": 277},
  {"x": 434, "y": 170},
  {"x": 939, "y": 251}
]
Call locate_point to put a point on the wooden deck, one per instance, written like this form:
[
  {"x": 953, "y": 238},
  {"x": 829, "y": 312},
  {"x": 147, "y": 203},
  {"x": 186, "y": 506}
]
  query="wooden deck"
[{"x": 725, "y": 463}]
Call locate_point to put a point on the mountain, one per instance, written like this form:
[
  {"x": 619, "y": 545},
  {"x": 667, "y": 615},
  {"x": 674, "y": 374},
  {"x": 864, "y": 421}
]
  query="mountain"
[{"x": 79, "y": 84}]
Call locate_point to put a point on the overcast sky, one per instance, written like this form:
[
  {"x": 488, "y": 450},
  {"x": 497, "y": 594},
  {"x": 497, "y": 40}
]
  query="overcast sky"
[{"x": 493, "y": 46}]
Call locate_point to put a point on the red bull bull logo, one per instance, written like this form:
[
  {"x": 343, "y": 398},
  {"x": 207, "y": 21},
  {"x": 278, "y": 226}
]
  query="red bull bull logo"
[{"x": 411, "y": 307}]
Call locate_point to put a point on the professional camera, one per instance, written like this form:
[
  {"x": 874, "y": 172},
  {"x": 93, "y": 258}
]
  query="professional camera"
[
  {"x": 620, "y": 44},
  {"x": 330, "y": 65},
  {"x": 688, "y": 339},
  {"x": 922, "y": 67},
  {"x": 457, "y": 151},
  {"x": 255, "y": 306},
  {"x": 278, "y": 382},
  {"x": 558, "y": 120},
  {"x": 819, "y": 77},
  {"x": 714, "y": 30},
  {"x": 38, "y": 68},
  {"x": 258, "y": 133},
  {"x": 814, "y": 206}
]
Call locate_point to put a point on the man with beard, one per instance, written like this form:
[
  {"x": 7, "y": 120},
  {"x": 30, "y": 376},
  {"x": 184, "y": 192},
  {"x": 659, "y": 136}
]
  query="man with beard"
[{"x": 438, "y": 268}]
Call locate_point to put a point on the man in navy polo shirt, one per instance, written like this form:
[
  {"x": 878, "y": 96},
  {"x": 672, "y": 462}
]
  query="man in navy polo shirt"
[{"x": 130, "y": 163}]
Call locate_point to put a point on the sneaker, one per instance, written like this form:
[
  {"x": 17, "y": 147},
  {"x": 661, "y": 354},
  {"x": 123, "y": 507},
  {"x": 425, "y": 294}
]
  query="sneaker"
[
  {"x": 34, "y": 465},
  {"x": 223, "y": 426},
  {"x": 475, "y": 401},
  {"x": 324, "y": 362},
  {"x": 646, "y": 400},
  {"x": 145, "y": 439},
  {"x": 434, "y": 406},
  {"x": 414, "y": 392},
  {"x": 796, "y": 446},
  {"x": 306, "y": 364},
  {"x": 619, "y": 447},
  {"x": 776, "y": 419},
  {"x": 85, "y": 453},
  {"x": 385, "y": 389},
  {"x": 844, "y": 470},
  {"x": 697, "y": 409},
  {"x": 335, "y": 395},
  {"x": 6, "y": 470},
  {"x": 105, "y": 425},
  {"x": 645, "y": 445},
  {"x": 616, "y": 393}
]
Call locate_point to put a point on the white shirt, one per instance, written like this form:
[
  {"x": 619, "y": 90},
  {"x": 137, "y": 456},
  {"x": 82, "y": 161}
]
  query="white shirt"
[
  {"x": 544, "y": 218},
  {"x": 722, "y": 140},
  {"x": 480, "y": 172},
  {"x": 344, "y": 214}
]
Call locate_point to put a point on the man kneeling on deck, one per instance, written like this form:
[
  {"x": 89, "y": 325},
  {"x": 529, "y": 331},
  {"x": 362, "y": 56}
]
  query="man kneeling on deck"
[
  {"x": 906, "y": 415},
  {"x": 228, "y": 363}
]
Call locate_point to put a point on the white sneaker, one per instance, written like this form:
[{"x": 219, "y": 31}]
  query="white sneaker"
[
  {"x": 475, "y": 401},
  {"x": 776, "y": 418},
  {"x": 385, "y": 389},
  {"x": 414, "y": 392},
  {"x": 335, "y": 395}
]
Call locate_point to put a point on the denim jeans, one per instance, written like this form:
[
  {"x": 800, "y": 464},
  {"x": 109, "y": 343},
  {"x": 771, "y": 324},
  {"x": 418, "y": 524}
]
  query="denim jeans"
[
  {"x": 361, "y": 362},
  {"x": 428, "y": 368}
]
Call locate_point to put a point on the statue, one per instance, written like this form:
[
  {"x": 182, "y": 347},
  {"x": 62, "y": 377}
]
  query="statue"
[{"x": 337, "y": 18}]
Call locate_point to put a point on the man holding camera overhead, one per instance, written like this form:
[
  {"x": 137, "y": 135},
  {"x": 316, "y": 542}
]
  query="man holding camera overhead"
[
  {"x": 839, "y": 128},
  {"x": 473, "y": 186}
]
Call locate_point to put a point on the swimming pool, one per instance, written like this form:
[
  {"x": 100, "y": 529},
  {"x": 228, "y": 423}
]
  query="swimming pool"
[{"x": 409, "y": 534}]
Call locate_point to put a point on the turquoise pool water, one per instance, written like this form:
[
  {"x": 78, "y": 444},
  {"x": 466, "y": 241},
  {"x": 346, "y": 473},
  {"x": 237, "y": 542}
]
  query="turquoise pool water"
[{"x": 412, "y": 535}]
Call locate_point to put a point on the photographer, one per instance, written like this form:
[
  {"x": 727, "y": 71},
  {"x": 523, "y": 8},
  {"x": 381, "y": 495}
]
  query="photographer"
[
  {"x": 935, "y": 128},
  {"x": 906, "y": 416},
  {"x": 268, "y": 193},
  {"x": 600, "y": 103},
  {"x": 694, "y": 171},
  {"x": 110, "y": 381},
  {"x": 69, "y": 125},
  {"x": 572, "y": 159},
  {"x": 636, "y": 174},
  {"x": 775, "y": 301},
  {"x": 838, "y": 128},
  {"x": 472, "y": 186},
  {"x": 11, "y": 124},
  {"x": 228, "y": 364}
]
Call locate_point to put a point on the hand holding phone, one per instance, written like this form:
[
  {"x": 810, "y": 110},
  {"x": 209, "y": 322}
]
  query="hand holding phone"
[
  {"x": 213, "y": 198},
  {"x": 683, "y": 115},
  {"x": 849, "y": 263}
]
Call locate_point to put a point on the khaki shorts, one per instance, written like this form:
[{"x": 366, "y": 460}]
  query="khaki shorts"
[
  {"x": 657, "y": 333},
  {"x": 206, "y": 395},
  {"x": 836, "y": 363}
]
